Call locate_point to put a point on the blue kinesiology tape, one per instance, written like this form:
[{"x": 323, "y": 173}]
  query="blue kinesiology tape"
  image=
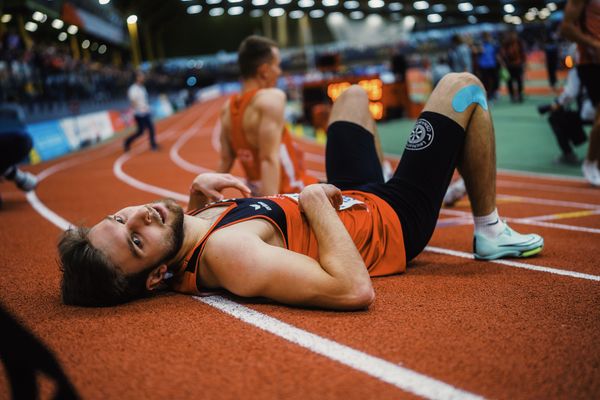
[{"x": 467, "y": 96}]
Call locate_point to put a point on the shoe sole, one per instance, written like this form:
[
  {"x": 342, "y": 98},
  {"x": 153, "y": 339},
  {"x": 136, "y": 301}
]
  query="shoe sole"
[{"x": 511, "y": 253}]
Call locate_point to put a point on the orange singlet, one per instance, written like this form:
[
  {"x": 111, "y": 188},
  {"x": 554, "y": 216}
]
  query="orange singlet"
[
  {"x": 293, "y": 176},
  {"x": 373, "y": 226}
]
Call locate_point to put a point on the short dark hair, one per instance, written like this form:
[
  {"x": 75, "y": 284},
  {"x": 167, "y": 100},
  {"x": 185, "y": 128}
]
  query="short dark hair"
[
  {"x": 90, "y": 279},
  {"x": 253, "y": 52}
]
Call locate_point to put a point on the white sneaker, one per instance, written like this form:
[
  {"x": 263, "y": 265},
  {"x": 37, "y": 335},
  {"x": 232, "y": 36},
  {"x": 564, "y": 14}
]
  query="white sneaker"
[
  {"x": 455, "y": 192},
  {"x": 509, "y": 243},
  {"x": 25, "y": 181},
  {"x": 591, "y": 172}
]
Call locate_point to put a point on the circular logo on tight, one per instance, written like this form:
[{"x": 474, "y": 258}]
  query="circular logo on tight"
[{"x": 421, "y": 136}]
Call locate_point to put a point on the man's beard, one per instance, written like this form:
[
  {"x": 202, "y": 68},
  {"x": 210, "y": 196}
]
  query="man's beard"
[{"x": 176, "y": 239}]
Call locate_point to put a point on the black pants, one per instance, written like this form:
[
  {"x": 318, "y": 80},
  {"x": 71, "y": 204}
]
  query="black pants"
[
  {"x": 14, "y": 148},
  {"x": 515, "y": 78},
  {"x": 417, "y": 189},
  {"x": 489, "y": 78},
  {"x": 143, "y": 122}
]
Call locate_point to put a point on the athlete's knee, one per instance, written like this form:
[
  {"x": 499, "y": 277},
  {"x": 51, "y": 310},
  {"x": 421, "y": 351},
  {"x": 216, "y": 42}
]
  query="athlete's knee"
[
  {"x": 454, "y": 81},
  {"x": 354, "y": 93}
]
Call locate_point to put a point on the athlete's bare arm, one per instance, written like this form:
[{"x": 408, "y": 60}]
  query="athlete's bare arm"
[
  {"x": 570, "y": 28},
  {"x": 227, "y": 153},
  {"x": 208, "y": 187},
  {"x": 241, "y": 261},
  {"x": 270, "y": 104}
]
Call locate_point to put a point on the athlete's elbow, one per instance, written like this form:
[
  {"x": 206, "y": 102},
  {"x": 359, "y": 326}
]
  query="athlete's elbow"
[{"x": 361, "y": 297}]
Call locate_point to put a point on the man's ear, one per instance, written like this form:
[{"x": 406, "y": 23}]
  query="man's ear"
[{"x": 156, "y": 277}]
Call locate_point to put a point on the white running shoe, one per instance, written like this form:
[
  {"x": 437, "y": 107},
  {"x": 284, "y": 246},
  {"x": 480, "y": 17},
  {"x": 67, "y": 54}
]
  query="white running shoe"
[
  {"x": 509, "y": 243},
  {"x": 25, "y": 181},
  {"x": 455, "y": 192},
  {"x": 591, "y": 172}
]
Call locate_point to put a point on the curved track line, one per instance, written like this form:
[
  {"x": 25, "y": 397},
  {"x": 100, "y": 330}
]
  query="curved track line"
[
  {"x": 547, "y": 188},
  {"x": 401, "y": 377}
]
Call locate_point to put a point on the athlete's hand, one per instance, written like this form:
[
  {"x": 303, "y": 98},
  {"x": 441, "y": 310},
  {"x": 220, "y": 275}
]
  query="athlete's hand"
[
  {"x": 318, "y": 193},
  {"x": 212, "y": 184}
]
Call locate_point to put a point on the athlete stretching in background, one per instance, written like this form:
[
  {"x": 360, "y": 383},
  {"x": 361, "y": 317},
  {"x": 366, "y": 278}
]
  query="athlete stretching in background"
[{"x": 306, "y": 249}]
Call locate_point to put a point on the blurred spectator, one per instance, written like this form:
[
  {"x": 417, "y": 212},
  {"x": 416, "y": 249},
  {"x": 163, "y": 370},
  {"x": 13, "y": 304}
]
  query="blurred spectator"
[
  {"x": 567, "y": 124},
  {"x": 460, "y": 55},
  {"x": 487, "y": 62},
  {"x": 439, "y": 69},
  {"x": 581, "y": 24},
  {"x": 138, "y": 96},
  {"x": 551, "y": 53},
  {"x": 513, "y": 57},
  {"x": 15, "y": 144}
]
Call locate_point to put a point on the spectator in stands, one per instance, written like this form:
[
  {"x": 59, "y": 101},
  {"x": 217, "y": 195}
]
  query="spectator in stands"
[
  {"x": 138, "y": 96},
  {"x": 487, "y": 60},
  {"x": 460, "y": 55},
  {"x": 15, "y": 144},
  {"x": 581, "y": 24},
  {"x": 512, "y": 54}
]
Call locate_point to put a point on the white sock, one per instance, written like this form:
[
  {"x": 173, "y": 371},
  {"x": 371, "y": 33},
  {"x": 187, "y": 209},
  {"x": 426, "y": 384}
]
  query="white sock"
[{"x": 489, "y": 225}]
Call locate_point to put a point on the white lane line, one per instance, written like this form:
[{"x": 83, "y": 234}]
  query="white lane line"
[
  {"x": 547, "y": 202},
  {"x": 396, "y": 375},
  {"x": 47, "y": 213},
  {"x": 552, "y": 177},
  {"x": 131, "y": 181},
  {"x": 547, "y": 188},
  {"x": 468, "y": 220},
  {"x": 516, "y": 264},
  {"x": 187, "y": 135}
]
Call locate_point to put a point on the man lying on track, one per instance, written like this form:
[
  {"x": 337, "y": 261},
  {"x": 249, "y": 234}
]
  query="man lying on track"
[{"x": 318, "y": 248}]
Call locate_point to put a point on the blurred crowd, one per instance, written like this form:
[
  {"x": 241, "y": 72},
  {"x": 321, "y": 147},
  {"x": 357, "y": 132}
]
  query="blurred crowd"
[{"x": 45, "y": 76}]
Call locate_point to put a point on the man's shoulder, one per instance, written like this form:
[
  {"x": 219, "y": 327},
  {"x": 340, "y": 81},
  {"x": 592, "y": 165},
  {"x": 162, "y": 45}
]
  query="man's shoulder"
[{"x": 269, "y": 97}]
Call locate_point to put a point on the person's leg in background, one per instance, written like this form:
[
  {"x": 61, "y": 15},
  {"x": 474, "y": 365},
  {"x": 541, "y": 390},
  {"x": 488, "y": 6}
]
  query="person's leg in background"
[
  {"x": 151, "y": 132},
  {"x": 139, "y": 122},
  {"x": 14, "y": 148},
  {"x": 590, "y": 78}
]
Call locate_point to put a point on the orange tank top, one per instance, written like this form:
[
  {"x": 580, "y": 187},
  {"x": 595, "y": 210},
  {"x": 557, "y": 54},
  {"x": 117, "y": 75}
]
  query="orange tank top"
[
  {"x": 372, "y": 224},
  {"x": 293, "y": 176},
  {"x": 590, "y": 24}
]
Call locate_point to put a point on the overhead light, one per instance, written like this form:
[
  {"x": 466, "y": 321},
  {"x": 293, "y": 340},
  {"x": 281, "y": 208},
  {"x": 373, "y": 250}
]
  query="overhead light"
[
  {"x": 330, "y": 3},
  {"x": 517, "y": 20},
  {"x": 482, "y": 9},
  {"x": 102, "y": 49},
  {"x": 276, "y": 12},
  {"x": 259, "y": 3},
  {"x": 351, "y": 4},
  {"x": 72, "y": 29},
  {"x": 529, "y": 16},
  {"x": 217, "y": 11},
  {"x": 62, "y": 36},
  {"x": 306, "y": 3},
  {"x": 103, "y": 2},
  {"x": 6, "y": 18},
  {"x": 282, "y": 2},
  {"x": 58, "y": 24},
  {"x": 257, "y": 13},
  {"x": 195, "y": 9},
  {"x": 132, "y": 19},
  {"x": 237, "y": 10},
  {"x": 465, "y": 6},
  {"x": 409, "y": 22},
  {"x": 420, "y": 5},
  {"x": 551, "y": 6},
  {"x": 438, "y": 8},
  {"x": 472, "y": 19},
  {"x": 376, "y": 3},
  {"x": 296, "y": 14},
  {"x": 85, "y": 44},
  {"x": 316, "y": 13},
  {"x": 235, "y": 1},
  {"x": 395, "y": 6},
  {"x": 31, "y": 26},
  {"x": 509, "y": 8},
  {"x": 544, "y": 13},
  {"x": 212, "y": 2},
  {"x": 357, "y": 15},
  {"x": 434, "y": 18},
  {"x": 39, "y": 16}
]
